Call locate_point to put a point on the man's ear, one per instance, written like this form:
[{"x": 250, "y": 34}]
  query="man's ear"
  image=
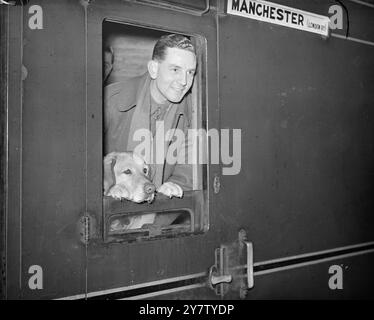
[{"x": 153, "y": 69}]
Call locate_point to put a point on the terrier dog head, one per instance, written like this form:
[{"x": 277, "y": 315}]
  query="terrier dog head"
[{"x": 126, "y": 176}]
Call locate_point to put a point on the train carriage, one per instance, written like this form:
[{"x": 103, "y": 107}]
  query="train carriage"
[{"x": 281, "y": 206}]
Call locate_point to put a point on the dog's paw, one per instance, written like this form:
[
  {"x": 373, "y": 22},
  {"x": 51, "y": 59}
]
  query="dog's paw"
[
  {"x": 171, "y": 189},
  {"x": 118, "y": 192}
]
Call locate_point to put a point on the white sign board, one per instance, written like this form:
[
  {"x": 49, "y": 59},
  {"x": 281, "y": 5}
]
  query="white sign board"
[{"x": 281, "y": 15}]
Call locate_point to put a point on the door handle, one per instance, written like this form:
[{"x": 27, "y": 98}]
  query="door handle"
[
  {"x": 250, "y": 281},
  {"x": 234, "y": 266},
  {"x": 247, "y": 281}
]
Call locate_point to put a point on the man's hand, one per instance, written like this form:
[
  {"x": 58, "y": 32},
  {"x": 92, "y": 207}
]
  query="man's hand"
[{"x": 171, "y": 189}]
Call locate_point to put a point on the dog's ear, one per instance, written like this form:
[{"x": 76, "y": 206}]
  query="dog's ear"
[
  {"x": 109, "y": 177},
  {"x": 138, "y": 159},
  {"x": 141, "y": 161}
]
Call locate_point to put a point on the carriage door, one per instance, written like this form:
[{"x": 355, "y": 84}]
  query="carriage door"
[{"x": 174, "y": 247}]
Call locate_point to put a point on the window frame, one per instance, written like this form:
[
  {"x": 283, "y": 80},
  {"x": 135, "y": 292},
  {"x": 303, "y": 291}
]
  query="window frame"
[{"x": 197, "y": 199}]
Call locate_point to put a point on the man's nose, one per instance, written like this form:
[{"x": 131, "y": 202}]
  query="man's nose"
[{"x": 182, "y": 78}]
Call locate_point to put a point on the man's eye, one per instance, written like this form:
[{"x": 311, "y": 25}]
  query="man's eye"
[
  {"x": 128, "y": 171},
  {"x": 145, "y": 170},
  {"x": 191, "y": 73}
]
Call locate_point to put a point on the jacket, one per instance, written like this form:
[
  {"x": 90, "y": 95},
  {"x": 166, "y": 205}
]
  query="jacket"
[{"x": 127, "y": 109}]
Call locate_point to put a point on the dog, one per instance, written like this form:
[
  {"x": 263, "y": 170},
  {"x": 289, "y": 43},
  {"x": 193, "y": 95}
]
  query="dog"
[{"x": 127, "y": 176}]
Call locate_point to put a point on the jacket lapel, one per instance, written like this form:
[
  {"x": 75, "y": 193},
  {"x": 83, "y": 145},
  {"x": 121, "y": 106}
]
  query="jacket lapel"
[
  {"x": 140, "y": 117},
  {"x": 141, "y": 120}
]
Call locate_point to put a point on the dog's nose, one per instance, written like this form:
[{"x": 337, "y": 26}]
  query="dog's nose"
[{"x": 149, "y": 188}]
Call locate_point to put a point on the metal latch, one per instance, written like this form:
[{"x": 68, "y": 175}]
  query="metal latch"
[
  {"x": 233, "y": 268},
  {"x": 218, "y": 276}
]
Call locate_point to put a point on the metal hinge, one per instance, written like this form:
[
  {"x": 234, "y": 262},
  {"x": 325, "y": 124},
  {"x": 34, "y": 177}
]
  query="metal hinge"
[
  {"x": 86, "y": 228},
  {"x": 86, "y": 220},
  {"x": 216, "y": 184}
]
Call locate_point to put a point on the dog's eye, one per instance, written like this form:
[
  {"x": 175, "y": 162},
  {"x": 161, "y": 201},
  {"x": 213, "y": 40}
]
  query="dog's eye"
[
  {"x": 145, "y": 170},
  {"x": 128, "y": 171}
]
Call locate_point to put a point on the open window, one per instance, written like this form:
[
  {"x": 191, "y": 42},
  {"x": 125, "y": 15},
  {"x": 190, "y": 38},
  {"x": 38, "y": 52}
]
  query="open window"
[{"x": 127, "y": 49}]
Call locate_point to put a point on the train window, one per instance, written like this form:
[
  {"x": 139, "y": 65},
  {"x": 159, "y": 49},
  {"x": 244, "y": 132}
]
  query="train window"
[{"x": 154, "y": 112}]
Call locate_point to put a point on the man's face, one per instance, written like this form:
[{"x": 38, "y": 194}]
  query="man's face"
[{"x": 173, "y": 76}]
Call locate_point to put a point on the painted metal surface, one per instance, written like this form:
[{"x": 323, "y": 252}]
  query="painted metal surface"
[
  {"x": 307, "y": 283},
  {"x": 302, "y": 103},
  {"x": 3, "y": 148},
  {"x": 46, "y": 151}
]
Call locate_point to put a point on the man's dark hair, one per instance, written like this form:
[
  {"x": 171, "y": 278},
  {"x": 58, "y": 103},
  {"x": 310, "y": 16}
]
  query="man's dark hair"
[{"x": 171, "y": 41}]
